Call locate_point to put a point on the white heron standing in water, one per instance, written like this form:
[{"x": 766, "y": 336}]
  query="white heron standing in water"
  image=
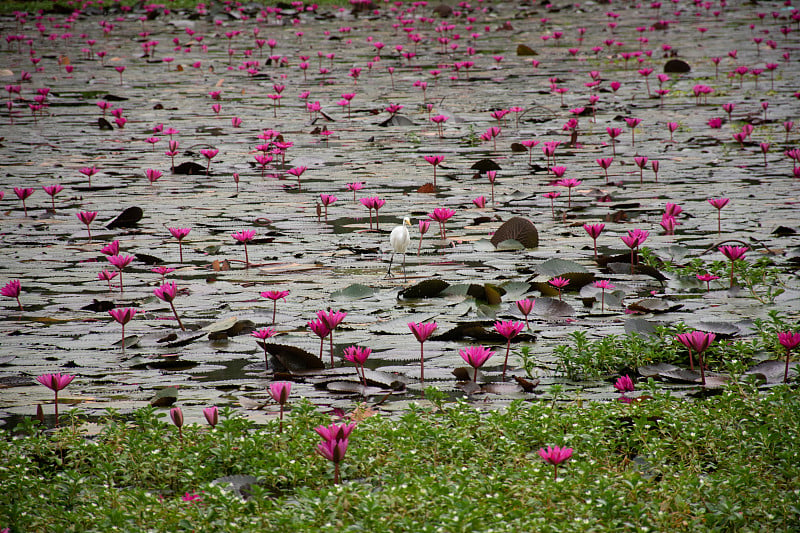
[{"x": 399, "y": 239}]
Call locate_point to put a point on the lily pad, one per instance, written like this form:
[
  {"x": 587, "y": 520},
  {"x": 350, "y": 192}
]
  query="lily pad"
[
  {"x": 553, "y": 268},
  {"x": 654, "y": 305},
  {"x": 429, "y": 288},
  {"x": 287, "y": 358},
  {"x": 127, "y": 219},
  {"x": 165, "y": 397},
  {"x": 519, "y": 229},
  {"x": 355, "y": 291}
]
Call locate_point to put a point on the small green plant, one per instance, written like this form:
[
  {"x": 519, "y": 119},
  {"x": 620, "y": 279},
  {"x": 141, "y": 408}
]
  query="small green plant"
[{"x": 471, "y": 138}]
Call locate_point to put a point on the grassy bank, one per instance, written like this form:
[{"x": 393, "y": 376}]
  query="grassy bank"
[{"x": 726, "y": 462}]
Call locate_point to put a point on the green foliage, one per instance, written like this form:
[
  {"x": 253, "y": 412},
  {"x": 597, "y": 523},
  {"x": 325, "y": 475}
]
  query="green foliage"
[{"x": 729, "y": 462}]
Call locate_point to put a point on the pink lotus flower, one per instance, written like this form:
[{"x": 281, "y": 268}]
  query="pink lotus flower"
[
  {"x": 87, "y": 217},
  {"x": 603, "y": 285},
  {"x": 123, "y": 315},
  {"x": 358, "y": 356},
  {"x": 107, "y": 276},
  {"x": 508, "y": 329},
  {"x": 280, "y": 393},
  {"x": 733, "y": 253},
  {"x": 212, "y": 415},
  {"x": 525, "y": 307},
  {"x": 614, "y": 133},
  {"x": 12, "y": 289},
  {"x": 555, "y": 456},
  {"x": 331, "y": 319},
  {"x": 422, "y": 331},
  {"x": 633, "y": 240},
  {"x": 434, "y": 160},
  {"x": 120, "y": 261},
  {"x": 641, "y": 162},
  {"x": 424, "y": 226},
  {"x": 594, "y": 231},
  {"x": 719, "y": 203},
  {"x": 698, "y": 341},
  {"x": 789, "y": 340},
  {"x": 53, "y": 190},
  {"x": 605, "y": 163},
  {"x": 275, "y": 296},
  {"x": 624, "y": 384},
  {"x": 475, "y": 356},
  {"x": 355, "y": 186},
  {"x": 334, "y": 451},
  {"x": 569, "y": 183},
  {"x": 559, "y": 283},
  {"x": 167, "y": 292},
  {"x": 244, "y": 237},
  {"x": 180, "y": 234},
  {"x": 442, "y": 215},
  {"x": 321, "y": 330},
  {"x": 23, "y": 193},
  {"x": 209, "y": 154},
  {"x": 297, "y": 172},
  {"x": 327, "y": 199},
  {"x": 708, "y": 278},
  {"x": 55, "y": 382}
]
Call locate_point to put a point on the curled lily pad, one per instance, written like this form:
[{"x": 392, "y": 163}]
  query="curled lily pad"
[
  {"x": 525, "y": 50},
  {"x": 291, "y": 358},
  {"x": 165, "y": 397},
  {"x": 428, "y": 288},
  {"x": 527, "y": 386},
  {"x": 127, "y": 219},
  {"x": 485, "y": 165},
  {"x": 518, "y": 229},
  {"x": 488, "y": 293}
]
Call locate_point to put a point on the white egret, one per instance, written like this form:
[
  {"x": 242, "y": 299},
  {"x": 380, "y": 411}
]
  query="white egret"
[{"x": 399, "y": 239}]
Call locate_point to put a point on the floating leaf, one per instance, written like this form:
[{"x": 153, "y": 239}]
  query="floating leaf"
[
  {"x": 553, "y": 268},
  {"x": 724, "y": 329},
  {"x": 654, "y": 305},
  {"x": 165, "y": 397},
  {"x": 525, "y": 50},
  {"x": 290, "y": 358},
  {"x": 552, "y": 309},
  {"x": 428, "y": 288},
  {"x": 526, "y": 385},
  {"x": 640, "y": 326},
  {"x": 485, "y": 165},
  {"x": 519, "y": 229},
  {"x": 356, "y": 291},
  {"x": 651, "y": 371},
  {"x": 772, "y": 371},
  {"x": 127, "y": 219},
  {"x": 510, "y": 245},
  {"x": 487, "y": 293},
  {"x": 483, "y": 245},
  {"x": 190, "y": 168},
  {"x": 676, "y": 66}
]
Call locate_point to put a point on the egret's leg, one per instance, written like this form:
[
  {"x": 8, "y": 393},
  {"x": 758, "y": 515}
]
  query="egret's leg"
[
  {"x": 405, "y": 277},
  {"x": 389, "y": 272}
]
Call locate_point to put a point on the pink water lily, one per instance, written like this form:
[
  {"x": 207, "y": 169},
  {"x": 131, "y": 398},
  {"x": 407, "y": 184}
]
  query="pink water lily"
[
  {"x": 121, "y": 261},
  {"x": 52, "y": 191},
  {"x": 297, "y": 172},
  {"x": 603, "y": 284},
  {"x": 633, "y": 240},
  {"x": 475, "y": 356},
  {"x": 719, "y": 203},
  {"x": 23, "y": 193},
  {"x": 789, "y": 340},
  {"x": 55, "y": 382},
  {"x": 280, "y": 393},
  {"x": 331, "y": 319},
  {"x": 508, "y": 329},
  {"x": 559, "y": 283},
  {"x": 167, "y": 292},
  {"x": 733, "y": 253},
  {"x": 555, "y": 456},
  {"x": 275, "y": 296},
  {"x": 358, "y": 356},
  {"x": 87, "y": 217},
  {"x": 244, "y": 237},
  {"x": 12, "y": 289},
  {"x": 698, "y": 341},
  {"x": 525, "y": 307},
  {"x": 442, "y": 215},
  {"x": 212, "y": 415},
  {"x": 594, "y": 231},
  {"x": 123, "y": 315},
  {"x": 422, "y": 331},
  {"x": 180, "y": 234},
  {"x": 434, "y": 160},
  {"x": 321, "y": 330}
]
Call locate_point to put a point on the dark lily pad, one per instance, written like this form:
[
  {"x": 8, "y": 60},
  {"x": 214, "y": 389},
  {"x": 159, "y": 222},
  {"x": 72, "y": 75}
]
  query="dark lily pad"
[
  {"x": 487, "y": 293},
  {"x": 165, "y": 397},
  {"x": 519, "y": 229},
  {"x": 479, "y": 331},
  {"x": 229, "y": 327},
  {"x": 525, "y": 50},
  {"x": 577, "y": 281},
  {"x": 127, "y": 219},
  {"x": 99, "y": 306},
  {"x": 517, "y": 147},
  {"x": 352, "y": 387},
  {"x": 287, "y": 358},
  {"x": 527, "y": 386},
  {"x": 677, "y": 66},
  {"x": 104, "y": 124},
  {"x": 184, "y": 338},
  {"x": 396, "y": 120},
  {"x": 190, "y": 168},
  {"x": 485, "y": 165},
  {"x": 429, "y": 288}
]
